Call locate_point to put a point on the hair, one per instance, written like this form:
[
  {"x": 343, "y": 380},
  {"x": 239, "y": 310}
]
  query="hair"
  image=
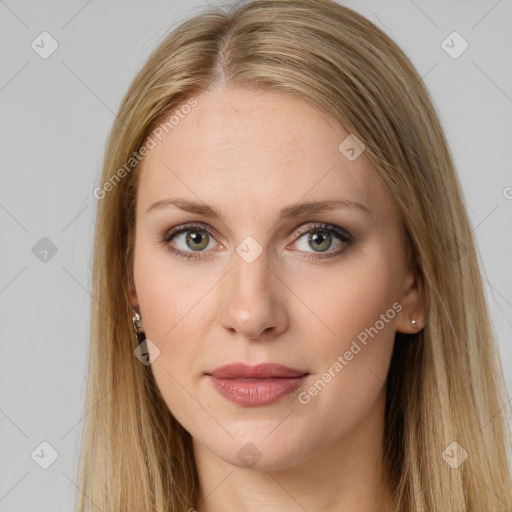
[{"x": 445, "y": 383}]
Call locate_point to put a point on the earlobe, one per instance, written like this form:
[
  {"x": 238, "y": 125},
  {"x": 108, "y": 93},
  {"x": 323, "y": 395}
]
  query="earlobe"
[{"x": 411, "y": 318}]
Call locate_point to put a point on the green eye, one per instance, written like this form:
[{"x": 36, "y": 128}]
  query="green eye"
[{"x": 197, "y": 238}]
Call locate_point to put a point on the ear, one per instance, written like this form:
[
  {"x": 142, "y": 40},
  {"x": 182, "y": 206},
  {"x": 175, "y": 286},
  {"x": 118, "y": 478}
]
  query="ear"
[
  {"x": 413, "y": 304},
  {"x": 131, "y": 293}
]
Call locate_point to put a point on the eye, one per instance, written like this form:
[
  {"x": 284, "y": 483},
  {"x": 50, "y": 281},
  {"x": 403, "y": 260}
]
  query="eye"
[
  {"x": 321, "y": 238},
  {"x": 196, "y": 239},
  {"x": 193, "y": 238}
]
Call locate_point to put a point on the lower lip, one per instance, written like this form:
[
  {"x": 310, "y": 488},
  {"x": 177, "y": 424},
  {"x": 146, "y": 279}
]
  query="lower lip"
[{"x": 254, "y": 392}]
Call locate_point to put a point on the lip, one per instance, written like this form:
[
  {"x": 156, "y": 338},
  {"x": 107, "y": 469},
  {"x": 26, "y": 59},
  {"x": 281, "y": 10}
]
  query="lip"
[
  {"x": 257, "y": 385},
  {"x": 259, "y": 371}
]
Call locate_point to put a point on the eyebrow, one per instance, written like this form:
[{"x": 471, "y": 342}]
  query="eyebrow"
[{"x": 288, "y": 212}]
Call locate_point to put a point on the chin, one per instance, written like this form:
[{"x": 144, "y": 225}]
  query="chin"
[{"x": 263, "y": 447}]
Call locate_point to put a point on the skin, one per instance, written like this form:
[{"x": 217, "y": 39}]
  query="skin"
[{"x": 250, "y": 154}]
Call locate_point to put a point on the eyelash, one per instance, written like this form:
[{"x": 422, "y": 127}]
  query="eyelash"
[{"x": 343, "y": 235}]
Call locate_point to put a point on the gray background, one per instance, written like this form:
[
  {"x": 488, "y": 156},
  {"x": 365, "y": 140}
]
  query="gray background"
[{"x": 55, "y": 117}]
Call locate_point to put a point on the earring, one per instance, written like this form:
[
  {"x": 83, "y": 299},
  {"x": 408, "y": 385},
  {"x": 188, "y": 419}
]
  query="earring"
[
  {"x": 137, "y": 326},
  {"x": 413, "y": 322}
]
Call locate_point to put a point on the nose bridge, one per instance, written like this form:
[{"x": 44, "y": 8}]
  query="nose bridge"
[
  {"x": 251, "y": 304},
  {"x": 251, "y": 255},
  {"x": 250, "y": 277}
]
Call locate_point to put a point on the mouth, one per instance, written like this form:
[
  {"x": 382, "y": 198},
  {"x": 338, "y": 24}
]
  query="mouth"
[{"x": 258, "y": 385}]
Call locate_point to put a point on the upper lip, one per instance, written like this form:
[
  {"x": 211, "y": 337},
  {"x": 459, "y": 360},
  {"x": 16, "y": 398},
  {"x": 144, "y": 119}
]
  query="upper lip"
[{"x": 259, "y": 371}]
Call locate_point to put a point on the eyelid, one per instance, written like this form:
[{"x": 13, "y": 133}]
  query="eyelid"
[
  {"x": 189, "y": 227},
  {"x": 342, "y": 233}
]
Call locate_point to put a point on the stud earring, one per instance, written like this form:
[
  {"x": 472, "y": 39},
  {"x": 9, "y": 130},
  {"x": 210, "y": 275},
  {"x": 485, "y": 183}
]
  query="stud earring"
[
  {"x": 413, "y": 322},
  {"x": 137, "y": 326}
]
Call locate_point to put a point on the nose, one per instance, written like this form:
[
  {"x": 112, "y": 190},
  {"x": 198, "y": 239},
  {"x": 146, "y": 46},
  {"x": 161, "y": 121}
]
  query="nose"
[{"x": 253, "y": 301}]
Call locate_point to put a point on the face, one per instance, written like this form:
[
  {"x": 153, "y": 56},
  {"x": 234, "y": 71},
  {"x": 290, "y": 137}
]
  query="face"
[{"x": 247, "y": 280}]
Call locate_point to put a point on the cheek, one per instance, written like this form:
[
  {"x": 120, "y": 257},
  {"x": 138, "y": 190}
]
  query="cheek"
[
  {"x": 352, "y": 356},
  {"x": 352, "y": 365},
  {"x": 172, "y": 301},
  {"x": 169, "y": 292},
  {"x": 349, "y": 301},
  {"x": 171, "y": 322}
]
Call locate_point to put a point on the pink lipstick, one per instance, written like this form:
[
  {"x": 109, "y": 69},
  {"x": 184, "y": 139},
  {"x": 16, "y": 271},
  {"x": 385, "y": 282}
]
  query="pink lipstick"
[{"x": 257, "y": 385}]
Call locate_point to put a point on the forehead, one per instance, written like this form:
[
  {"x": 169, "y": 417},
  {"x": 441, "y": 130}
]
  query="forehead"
[{"x": 255, "y": 147}]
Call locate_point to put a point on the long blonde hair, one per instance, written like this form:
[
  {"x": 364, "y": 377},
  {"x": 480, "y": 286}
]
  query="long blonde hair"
[{"x": 445, "y": 383}]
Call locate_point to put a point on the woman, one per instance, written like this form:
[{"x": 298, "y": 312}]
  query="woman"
[{"x": 280, "y": 218}]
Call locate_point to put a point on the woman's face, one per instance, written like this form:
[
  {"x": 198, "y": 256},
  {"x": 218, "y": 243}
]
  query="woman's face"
[{"x": 319, "y": 290}]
